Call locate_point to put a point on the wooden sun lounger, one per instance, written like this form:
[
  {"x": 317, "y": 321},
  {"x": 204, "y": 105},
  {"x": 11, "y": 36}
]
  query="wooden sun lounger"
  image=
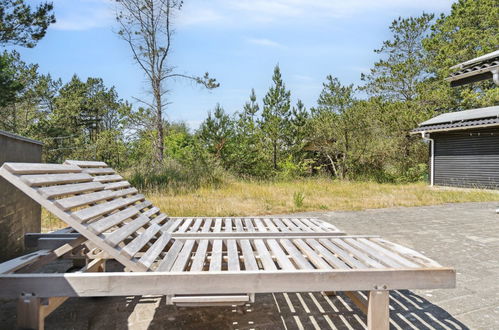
[{"x": 186, "y": 258}]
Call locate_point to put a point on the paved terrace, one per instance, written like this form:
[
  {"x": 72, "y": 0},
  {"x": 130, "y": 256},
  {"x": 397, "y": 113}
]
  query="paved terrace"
[{"x": 465, "y": 236}]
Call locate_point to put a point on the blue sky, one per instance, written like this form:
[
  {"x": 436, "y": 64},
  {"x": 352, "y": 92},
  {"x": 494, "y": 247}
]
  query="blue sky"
[{"x": 237, "y": 42}]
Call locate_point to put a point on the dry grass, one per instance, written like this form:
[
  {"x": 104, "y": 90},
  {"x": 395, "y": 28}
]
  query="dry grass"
[{"x": 241, "y": 198}]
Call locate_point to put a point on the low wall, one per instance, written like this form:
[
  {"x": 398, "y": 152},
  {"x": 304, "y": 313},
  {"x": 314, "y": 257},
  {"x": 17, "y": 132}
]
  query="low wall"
[{"x": 19, "y": 214}]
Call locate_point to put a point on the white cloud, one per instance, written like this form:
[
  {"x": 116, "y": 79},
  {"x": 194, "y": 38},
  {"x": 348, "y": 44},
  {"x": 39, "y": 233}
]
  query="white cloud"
[
  {"x": 301, "y": 77},
  {"x": 271, "y": 10},
  {"x": 264, "y": 42},
  {"x": 83, "y": 14},
  {"x": 196, "y": 15},
  {"x": 244, "y": 13}
]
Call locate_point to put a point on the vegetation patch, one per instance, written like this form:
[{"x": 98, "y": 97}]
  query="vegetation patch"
[{"x": 247, "y": 198}]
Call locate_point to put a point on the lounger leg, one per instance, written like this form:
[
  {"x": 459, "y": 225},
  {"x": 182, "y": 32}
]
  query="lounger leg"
[
  {"x": 32, "y": 311},
  {"x": 29, "y": 315},
  {"x": 378, "y": 317}
]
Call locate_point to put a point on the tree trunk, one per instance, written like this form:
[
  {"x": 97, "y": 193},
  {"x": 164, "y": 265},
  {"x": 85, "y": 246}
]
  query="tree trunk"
[
  {"x": 332, "y": 164},
  {"x": 160, "y": 147},
  {"x": 275, "y": 155}
]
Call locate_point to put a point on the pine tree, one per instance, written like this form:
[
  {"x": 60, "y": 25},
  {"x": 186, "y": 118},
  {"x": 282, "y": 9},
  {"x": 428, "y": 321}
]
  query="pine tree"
[
  {"x": 217, "y": 132},
  {"x": 275, "y": 116},
  {"x": 299, "y": 119}
]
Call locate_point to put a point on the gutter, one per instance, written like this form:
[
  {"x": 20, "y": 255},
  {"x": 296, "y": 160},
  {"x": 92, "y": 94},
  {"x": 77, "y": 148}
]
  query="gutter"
[
  {"x": 454, "y": 128},
  {"x": 495, "y": 76},
  {"x": 426, "y": 137}
]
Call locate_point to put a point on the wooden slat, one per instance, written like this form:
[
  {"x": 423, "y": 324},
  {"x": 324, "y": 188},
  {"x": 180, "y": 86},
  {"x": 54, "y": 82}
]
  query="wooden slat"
[
  {"x": 281, "y": 225},
  {"x": 80, "y": 200},
  {"x": 196, "y": 225},
  {"x": 112, "y": 220},
  {"x": 265, "y": 257},
  {"x": 228, "y": 225},
  {"x": 183, "y": 257},
  {"x": 108, "y": 178},
  {"x": 200, "y": 256},
  {"x": 282, "y": 258},
  {"x": 117, "y": 185},
  {"x": 216, "y": 255},
  {"x": 327, "y": 255},
  {"x": 158, "y": 219},
  {"x": 232, "y": 255},
  {"x": 259, "y": 224},
  {"x": 312, "y": 225},
  {"x": 103, "y": 208},
  {"x": 326, "y": 225},
  {"x": 152, "y": 211},
  {"x": 239, "y": 225},
  {"x": 69, "y": 189},
  {"x": 271, "y": 226},
  {"x": 217, "y": 226},
  {"x": 209, "y": 300},
  {"x": 249, "y": 225},
  {"x": 345, "y": 256},
  {"x": 132, "y": 248},
  {"x": 175, "y": 224},
  {"x": 291, "y": 226},
  {"x": 185, "y": 225},
  {"x": 143, "y": 205},
  {"x": 206, "y": 226},
  {"x": 313, "y": 257},
  {"x": 51, "y": 179},
  {"x": 300, "y": 224},
  {"x": 122, "y": 233},
  {"x": 85, "y": 163},
  {"x": 125, "y": 192},
  {"x": 408, "y": 253},
  {"x": 99, "y": 171},
  {"x": 249, "y": 256},
  {"x": 155, "y": 250},
  {"x": 33, "y": 168},
  {"x": 381, "y": 257},
  {"x": 296, "y": 254},
  {"x": 170, "y": 256},
  {"x": 362, "y": 256}
]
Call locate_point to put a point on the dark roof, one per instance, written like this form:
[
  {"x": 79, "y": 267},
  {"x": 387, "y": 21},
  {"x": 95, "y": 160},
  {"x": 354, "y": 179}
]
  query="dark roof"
[
  {"x": 19, "y": 137},
  {"x": 461, "y": 119},
  {"x": 474, "y": 70}
]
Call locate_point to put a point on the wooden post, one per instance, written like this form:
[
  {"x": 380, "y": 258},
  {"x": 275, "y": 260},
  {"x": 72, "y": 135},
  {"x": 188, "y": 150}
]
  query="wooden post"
[
  {"x": 32, "y": 311},
  {"x": 29, "y": 315},
  {"x": 378, "y": 313}
]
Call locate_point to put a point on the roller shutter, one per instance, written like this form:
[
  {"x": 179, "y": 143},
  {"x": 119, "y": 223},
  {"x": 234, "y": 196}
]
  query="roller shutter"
[{"x": 467, "y": 158}]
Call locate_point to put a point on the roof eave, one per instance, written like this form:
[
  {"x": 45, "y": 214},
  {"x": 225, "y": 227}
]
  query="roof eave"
[{"x": 460, "y": 128}]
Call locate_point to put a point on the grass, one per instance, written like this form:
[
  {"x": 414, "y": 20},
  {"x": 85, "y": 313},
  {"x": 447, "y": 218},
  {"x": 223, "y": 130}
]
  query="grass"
[{"x": 243, "y": 198}]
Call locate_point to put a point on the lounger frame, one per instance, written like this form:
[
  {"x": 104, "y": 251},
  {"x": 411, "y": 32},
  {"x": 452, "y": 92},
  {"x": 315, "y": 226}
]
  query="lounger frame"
[{"x": 229, "y": 259}]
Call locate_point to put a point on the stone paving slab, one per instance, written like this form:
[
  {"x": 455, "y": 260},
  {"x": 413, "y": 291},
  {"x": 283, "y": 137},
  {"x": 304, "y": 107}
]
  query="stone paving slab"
[{"x": 464, "y": 236}]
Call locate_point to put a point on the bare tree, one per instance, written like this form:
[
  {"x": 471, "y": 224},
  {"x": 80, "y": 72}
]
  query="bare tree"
[{"x": 146, "y": 25}]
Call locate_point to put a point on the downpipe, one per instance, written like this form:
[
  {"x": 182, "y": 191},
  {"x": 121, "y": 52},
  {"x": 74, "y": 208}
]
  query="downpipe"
[
  {"x": 495, "y": 76},
  {"x": 426, "y": 137}
]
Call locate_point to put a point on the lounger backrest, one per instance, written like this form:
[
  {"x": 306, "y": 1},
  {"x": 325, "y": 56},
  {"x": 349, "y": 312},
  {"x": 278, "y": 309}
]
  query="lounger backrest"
[
  {"x": 103, "y": 173},
  {"x": 94, "y": 205}
]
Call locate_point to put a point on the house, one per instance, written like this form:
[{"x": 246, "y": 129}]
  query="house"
[
  {"x": 464, "y": 148},
  {"x": 464, "y": 145}
]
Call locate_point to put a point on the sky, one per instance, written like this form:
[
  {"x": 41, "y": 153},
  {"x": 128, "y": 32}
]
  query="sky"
[{"x": 237, "y": 41}]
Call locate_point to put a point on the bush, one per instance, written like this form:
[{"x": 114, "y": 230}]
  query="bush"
[
  {"x": 298, "y": 198},
  {"x": 176, "y": 177}
]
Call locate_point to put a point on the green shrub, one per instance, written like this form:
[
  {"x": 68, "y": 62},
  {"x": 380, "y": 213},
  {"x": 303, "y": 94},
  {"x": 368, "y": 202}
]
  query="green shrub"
[{"x": 298, "y": 198}]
